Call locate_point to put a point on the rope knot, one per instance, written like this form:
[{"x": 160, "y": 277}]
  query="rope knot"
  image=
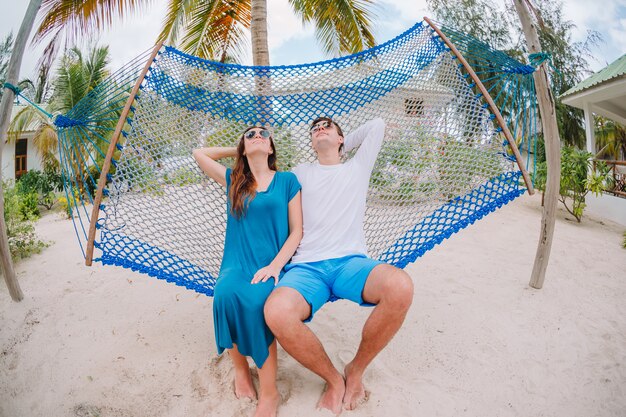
[
  {"x": 539, "y": 58},
  {"x": 63, "y": 121},
  {"x": 16, "y": 90}
]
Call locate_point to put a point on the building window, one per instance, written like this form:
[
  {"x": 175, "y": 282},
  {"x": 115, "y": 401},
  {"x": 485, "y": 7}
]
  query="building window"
[
  {"x": 414, "y": 106},
  {"x": 21, "y": 147}
]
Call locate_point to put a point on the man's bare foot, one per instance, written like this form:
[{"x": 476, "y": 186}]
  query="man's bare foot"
[
  {"x": 355, "y": 392},
  {"x": 244, "y": 388},
  {"x": 332, "y": 397},
  {"x": 268, "y": 405}
]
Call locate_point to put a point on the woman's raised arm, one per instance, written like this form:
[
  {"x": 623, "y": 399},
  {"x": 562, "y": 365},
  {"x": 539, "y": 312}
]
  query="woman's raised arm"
[{"x": 207, "y": 161}]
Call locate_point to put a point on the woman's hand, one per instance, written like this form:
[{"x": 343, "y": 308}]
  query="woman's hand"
[{"x": 266, "y": 273}]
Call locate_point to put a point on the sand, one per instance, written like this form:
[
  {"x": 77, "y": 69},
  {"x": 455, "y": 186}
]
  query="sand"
[{"x": 478, "y": 341}]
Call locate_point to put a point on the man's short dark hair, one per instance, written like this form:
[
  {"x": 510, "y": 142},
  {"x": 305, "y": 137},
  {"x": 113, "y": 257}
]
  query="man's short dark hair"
[{"x": 332, "y": 122}]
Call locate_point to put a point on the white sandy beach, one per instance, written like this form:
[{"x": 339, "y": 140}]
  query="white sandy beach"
[{"x": 478, "y": 341}]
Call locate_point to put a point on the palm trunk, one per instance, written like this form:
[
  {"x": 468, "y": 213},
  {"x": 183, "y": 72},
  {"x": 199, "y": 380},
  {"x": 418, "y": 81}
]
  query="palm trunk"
[
  {"x": 5, "y": 118},
  {"x": 258, "y": 31},
  {"x": 553, "y": 150},
  {"x": 261, "y": 58}
]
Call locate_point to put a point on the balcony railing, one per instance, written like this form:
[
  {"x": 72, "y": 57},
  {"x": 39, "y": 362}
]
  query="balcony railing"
[{"x": 618, "y": 171}]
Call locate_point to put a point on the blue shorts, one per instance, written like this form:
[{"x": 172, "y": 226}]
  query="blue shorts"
[{"x": 317, "y": 281}]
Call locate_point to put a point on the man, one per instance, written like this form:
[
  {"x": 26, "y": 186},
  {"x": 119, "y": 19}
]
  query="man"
[{"x": 332, "y": 260}]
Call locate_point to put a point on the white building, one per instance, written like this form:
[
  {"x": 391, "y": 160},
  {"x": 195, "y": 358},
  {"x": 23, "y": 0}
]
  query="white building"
[
  {"x": 603, "y": 94},
  {"x": 19, "y": 154}
]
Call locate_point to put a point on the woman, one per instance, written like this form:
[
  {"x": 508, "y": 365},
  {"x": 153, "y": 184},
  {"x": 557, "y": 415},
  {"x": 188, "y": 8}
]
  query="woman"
[{"x": 263, "y": 230}]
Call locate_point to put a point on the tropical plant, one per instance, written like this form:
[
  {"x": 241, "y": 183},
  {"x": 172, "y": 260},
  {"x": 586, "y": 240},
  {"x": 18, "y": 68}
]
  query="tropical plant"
[
  {"x": 6, "y": 48},
  {"x": 496, "y": 27},
  {"x": 213, "y": 29},
  {"x": 43, "y": 185},
  {"x": 45, "y": 138},
  {"x": 396, "y": 176},
  {"x": 19, "y": 218},
  {"x": 40, "y": 89},
  {"x": 69, "y": 203},
  {"x": 77, "y": 75},
  {"x": 610, "y": 139},
  {"x": 577, "y": 179}
]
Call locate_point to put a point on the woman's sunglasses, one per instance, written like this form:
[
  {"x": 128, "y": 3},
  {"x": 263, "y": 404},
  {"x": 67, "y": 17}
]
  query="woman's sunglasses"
[
  {"x": 265, "y": 134},
  {"x": 323, "y": 124}
]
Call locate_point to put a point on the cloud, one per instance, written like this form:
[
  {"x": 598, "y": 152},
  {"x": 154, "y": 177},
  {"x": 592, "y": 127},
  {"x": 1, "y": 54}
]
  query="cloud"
[{"x": 609, "y": 20}]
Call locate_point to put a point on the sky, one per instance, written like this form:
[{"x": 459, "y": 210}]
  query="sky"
[{"x": 291, "y": 43}]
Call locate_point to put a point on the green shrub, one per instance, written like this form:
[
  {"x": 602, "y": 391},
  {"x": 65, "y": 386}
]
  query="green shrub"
[
  {"x": 19, "y": 222},
  {"x": 576, "y": 179},
  {"x": 181, "y": 177},
  {"x": 396, "y": 174},
  {"x": 69, "y": 206},
  {"x": 42, "y": 184},
  {"x": 28, "y": 205}
]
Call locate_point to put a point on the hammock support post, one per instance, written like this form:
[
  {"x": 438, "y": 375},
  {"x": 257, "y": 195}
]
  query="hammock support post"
[
  {"x": 6, "y": 105},
  {"x": 492, "y": 106},
  {"x": 553, "y": 150},
  {"x": 107, "y": 160}
]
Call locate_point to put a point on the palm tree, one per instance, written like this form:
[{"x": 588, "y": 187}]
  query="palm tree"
[
  {"x": 610, "y": 139},
  {"x": 6, "y": 48},
  {"x": 77, "y": 75},
  {"x": 215, "y": 29}
]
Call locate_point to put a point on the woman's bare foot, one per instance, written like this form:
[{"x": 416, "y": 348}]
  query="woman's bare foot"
[
  {"x": 332, "y": 397},
  {"x": 244, "y": 388},
  {"x": 355, "y": 392},
  {"x": 268, "y": 405}
]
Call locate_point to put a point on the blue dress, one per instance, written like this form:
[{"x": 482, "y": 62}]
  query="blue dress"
[{"x": 252, "y": 242}]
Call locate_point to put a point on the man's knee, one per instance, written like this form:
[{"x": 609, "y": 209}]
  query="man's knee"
[
  {"x": 282, "y": 308},
  {"x": 398, "y": 289}
]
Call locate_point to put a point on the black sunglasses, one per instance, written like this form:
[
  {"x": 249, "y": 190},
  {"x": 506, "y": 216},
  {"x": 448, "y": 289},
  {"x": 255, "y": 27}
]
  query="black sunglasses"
[{"x": 265, "y": 134}]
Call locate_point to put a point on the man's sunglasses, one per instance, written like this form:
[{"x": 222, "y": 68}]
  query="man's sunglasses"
[
  {"x": 323, "y": 124},
  {"x": 265, "y": 134}
]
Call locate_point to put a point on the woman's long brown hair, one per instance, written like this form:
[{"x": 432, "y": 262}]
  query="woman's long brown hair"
[{"x": 242, "y": 182}]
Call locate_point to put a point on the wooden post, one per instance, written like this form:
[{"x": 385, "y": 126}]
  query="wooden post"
[
  {"x": 13, "y": 73},
  {"x": 492, "y": 106},
  {"x": 91, "y": 237},
  {"x": 553, "y": 149}
]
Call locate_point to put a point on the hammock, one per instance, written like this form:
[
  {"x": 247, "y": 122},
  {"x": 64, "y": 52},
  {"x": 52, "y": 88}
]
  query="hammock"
[{"x": 444, "y": 164}]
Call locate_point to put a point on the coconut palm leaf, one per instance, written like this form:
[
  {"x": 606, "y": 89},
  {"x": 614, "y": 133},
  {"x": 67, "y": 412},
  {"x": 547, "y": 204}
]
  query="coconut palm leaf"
[
  {"x": 215, "y": 29},
  {"x": 78, "y": 17},
  {"x": 342, "y": 26},
  {"x": 45, "y": 138}
]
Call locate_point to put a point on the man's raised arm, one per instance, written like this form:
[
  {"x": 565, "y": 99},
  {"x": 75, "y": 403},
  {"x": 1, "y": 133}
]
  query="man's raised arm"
[{"x": 370, "y": 138}]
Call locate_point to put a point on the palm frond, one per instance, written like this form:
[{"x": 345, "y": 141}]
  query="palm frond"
[
  {"x": 342, "y": 26},
  {"x": 78, "y": 17},
  {"x": 46, "y": 141},
  {"x": 215, "y": 29},
  {"x": 176, "y": 19},
  {"x": 77, "y": 75},
  {"x": 27, "y": 119}
]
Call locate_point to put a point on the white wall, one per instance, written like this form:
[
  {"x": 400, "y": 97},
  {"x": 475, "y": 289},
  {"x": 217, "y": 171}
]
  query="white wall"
[
  {"x": 607, "y": 206},
  {"x": 33, "y": 160}
]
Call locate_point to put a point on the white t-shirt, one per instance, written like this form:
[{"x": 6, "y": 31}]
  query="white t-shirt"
[{"x": 333, "y": 198}]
